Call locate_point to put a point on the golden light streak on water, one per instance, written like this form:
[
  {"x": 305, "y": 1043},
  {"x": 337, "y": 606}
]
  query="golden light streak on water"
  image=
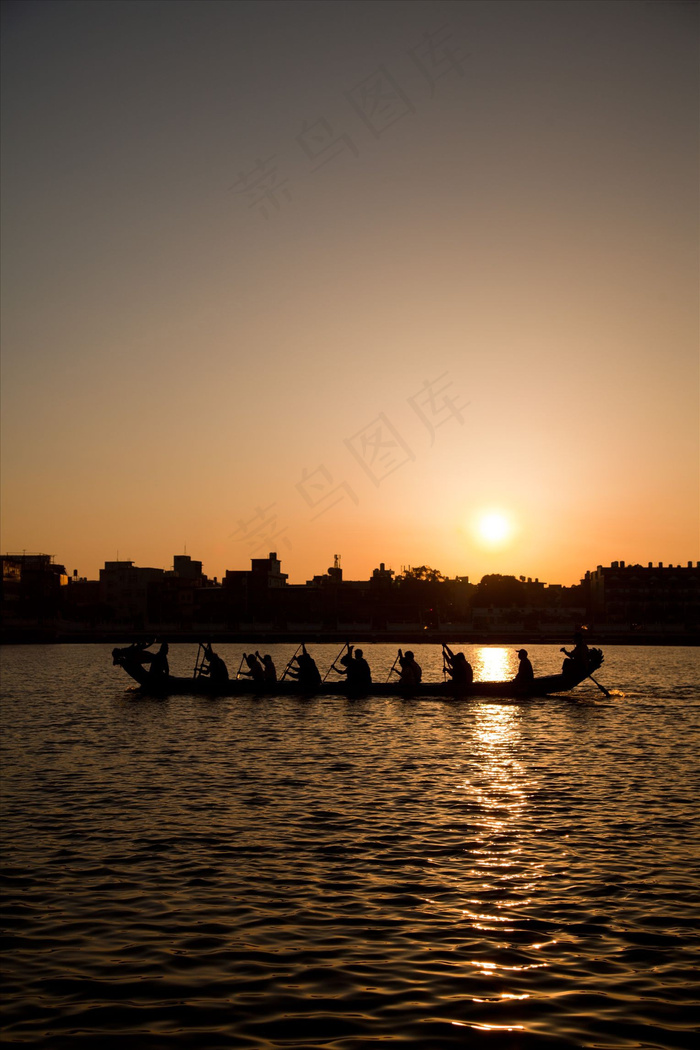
[
  {"x": 503, "y": 790},
  {"x": 497, "y": 1027},
  {"x": 493, "y": 664}
]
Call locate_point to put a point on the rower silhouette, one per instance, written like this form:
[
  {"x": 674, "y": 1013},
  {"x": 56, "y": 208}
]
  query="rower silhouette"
[
  {"x": 306, "y": 673},
  {"x": 458, "y": 667},
  {"x": 411, "y": 671},
  {"x": 269, "y": 669},
  {"x": 525, "y": 675},
  {"x": 579, "y": 659},
  {"x": 159, "y": 662},
  {"x": 255, "y": 668},
  {"x": 356, "y": 669},
  {"x": 216, "y": 668}
]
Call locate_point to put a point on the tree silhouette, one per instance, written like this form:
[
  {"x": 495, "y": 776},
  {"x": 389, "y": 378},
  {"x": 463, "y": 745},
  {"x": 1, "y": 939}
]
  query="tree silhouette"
[
  {"x": 498, "y": 590},
  {"x": 422, "y": 574}
]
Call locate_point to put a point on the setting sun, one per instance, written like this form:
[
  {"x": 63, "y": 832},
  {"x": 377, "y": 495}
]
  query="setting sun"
[{"x": 494, "y": 528}]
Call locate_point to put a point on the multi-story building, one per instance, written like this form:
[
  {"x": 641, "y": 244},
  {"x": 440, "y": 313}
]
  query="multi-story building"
[
  {"x": 31, "y": 588},
  {"x": 252, "y": 595},
  {"x": 639, "y": 595},
  {"x": 124, "y": 589}
]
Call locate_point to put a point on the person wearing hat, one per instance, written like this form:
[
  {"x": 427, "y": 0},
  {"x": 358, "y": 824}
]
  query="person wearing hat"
[{"x": 525, "y": 673}]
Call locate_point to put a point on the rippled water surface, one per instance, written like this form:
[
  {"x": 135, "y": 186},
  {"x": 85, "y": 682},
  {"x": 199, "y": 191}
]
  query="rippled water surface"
[{"x": 341, "y": 874}]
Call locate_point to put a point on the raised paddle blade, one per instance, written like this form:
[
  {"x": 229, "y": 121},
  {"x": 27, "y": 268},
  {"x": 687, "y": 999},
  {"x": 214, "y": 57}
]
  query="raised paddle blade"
[
  {"x": 197, "y": 667},
  {"x": 392, "y": 668},
  {"x": 291, "y": 661},
  {"x": 333, "y": 667}
]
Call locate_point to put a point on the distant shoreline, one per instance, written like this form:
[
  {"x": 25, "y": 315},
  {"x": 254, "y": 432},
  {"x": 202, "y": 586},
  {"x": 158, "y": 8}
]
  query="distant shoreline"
[{"x": 598, "y": 636}]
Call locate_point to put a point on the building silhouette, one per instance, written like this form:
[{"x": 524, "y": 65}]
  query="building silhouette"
[
  {"x": 641, "y": 596},
  {"x": 31, "y": 588},
  {"x": 38, "y": 595}
]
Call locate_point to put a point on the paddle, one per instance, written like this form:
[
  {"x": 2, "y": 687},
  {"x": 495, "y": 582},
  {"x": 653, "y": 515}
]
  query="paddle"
[
  {"x": 444, "y": 663},
  {"x": 601, "y": 687},
  {"x": 240, "y": 666},
  {"x": 333, "y": 667},
  {"x": 392, "y": 667},
  {"x": 291, "y": 661},
  {"x": 197, "y": 665}
]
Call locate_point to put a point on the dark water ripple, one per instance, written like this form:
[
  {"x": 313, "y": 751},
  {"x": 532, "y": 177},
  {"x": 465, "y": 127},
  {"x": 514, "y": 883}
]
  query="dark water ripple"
[{"x": 336, "y": 874}]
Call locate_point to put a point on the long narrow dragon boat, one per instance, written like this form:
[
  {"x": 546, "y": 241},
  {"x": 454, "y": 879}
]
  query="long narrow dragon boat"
[{"x": 131, "y": 659}]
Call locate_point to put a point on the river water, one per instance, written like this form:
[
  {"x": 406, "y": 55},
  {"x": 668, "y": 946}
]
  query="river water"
[{"x": 343, "y": 874}]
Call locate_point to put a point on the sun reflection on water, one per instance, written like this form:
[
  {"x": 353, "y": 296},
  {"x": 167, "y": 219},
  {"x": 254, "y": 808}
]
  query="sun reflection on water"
[
  {"x": 500, "y": 784},
  {"x": 493, "y": 664}
]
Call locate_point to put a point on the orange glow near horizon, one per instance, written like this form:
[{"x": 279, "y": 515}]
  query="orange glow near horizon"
[{"x": 488, "y": 307}]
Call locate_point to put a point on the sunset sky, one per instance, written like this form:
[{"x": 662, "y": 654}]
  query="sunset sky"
[{"x": 345, "y": 277}]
